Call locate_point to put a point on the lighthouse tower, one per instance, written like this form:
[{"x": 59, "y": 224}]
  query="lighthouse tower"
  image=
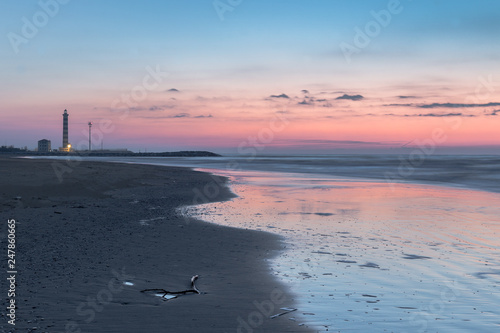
[{"x": 66, "y": 146}]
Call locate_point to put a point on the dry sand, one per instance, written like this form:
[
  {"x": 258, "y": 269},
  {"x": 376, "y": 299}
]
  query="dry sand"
[{"x": 105, "y": 224}]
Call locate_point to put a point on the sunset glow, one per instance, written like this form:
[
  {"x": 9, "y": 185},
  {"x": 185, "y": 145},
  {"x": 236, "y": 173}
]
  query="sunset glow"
[{"x": 341, "y": 76}]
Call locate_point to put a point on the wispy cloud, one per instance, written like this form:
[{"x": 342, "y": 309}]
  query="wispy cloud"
[
  {"x": 350, "y": 142},
  {"x": 151, "y": 108},
  {"x": 446, "y": 105},
  {"x": 455, "y": 105},
  {"x": 179, "y": 115},
  {"x": 318, "y": 143},
  {"x": 160, "y": 107},
  {"x": 280, "y": 96},
  {"x": 401, "y": 104},
  {"x": 457, "y": 114},
  {"x": 175, "y": 116},
  {"x": 307, "y": 101},
  {"x": 351, "y": 97}
]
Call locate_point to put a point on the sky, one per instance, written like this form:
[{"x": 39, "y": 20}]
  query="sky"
[{"x": 234, "y": 76}]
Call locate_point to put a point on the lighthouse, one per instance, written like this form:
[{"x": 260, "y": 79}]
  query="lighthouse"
[{"x": 65, "y": 146}]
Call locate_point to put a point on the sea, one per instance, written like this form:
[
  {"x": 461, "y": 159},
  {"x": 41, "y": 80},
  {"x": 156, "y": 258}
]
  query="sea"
[{"x": 371, "y": 243}]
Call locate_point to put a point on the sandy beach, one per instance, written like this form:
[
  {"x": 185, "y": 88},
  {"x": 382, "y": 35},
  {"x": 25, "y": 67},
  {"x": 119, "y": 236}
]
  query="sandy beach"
[{"x": 89, "y": 242}]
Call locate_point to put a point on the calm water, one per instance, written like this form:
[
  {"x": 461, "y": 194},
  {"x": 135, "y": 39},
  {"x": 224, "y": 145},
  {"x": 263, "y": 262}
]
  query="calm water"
[
  {"x": 365, "y": 254},
  {"x": 480, "y": 172}
]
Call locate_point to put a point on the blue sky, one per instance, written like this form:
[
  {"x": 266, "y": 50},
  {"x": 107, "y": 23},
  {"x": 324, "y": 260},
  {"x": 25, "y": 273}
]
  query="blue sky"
[{"x": 89, "y": 52}]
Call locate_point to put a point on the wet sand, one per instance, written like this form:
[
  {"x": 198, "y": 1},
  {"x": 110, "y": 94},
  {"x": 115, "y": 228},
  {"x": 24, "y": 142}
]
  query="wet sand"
[
  {"x": 366, "y": 256},
  {"x": 88, "y": 245}
]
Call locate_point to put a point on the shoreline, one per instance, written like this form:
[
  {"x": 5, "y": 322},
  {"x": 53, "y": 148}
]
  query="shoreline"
[
  {"x": 109, "y": 153},
  {"x": 473, "y": 174},
  {"x": 356, "y": 248},
  {"x": 87, "y": 246}
]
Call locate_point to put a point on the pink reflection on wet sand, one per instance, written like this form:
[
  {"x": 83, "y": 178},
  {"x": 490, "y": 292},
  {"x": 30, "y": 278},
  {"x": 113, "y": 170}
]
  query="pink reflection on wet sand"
[{"x": 366, "y": 255}]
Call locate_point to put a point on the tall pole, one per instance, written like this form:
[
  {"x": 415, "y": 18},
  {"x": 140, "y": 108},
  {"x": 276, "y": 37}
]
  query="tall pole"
[{"x": 90, "y": 135}]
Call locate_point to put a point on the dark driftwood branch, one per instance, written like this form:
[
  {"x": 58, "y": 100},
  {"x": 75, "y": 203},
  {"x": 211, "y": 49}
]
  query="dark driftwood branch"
[
  {"x": 287, "y": 310},
  {"x": 193, "y": 290}
]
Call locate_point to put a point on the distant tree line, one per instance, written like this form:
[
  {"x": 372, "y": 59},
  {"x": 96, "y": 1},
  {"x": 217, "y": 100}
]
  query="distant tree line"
[{"x": 12, "y": 149}]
